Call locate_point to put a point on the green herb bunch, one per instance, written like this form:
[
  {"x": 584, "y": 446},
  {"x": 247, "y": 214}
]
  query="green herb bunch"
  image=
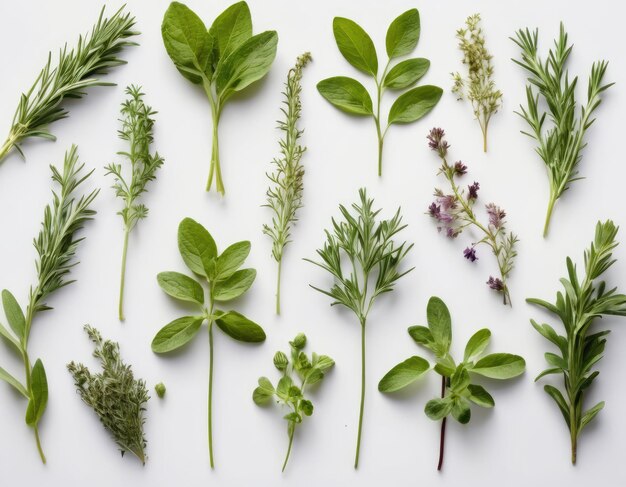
[
  {"x": 457, "y": 390},
  {"x": 137, "y": 130},
  {"x": 225, "y": 280},
  {"x": 56, "y": 247},
  {"x": 284, "y": 196},
  {"x": 75, "y": 71},
  {"x": 478, "y": 87},
  {"x": 114, "y": 394},
  {"x": 224, "y": 59},
  {"x": 367, "y": 245},
  {"x": 350, "y": 96},
  {"x": 308, "y": 371},
  {"x": 560, "y": 146},
  {"x": 578, "y": 306}
]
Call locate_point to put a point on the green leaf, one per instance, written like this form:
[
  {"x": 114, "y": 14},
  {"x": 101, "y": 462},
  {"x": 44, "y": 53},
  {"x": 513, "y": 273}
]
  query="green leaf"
[
  {"x": 403, "y": 34},
  {"x": 500, "y": 366},
  {"x": 355, "y": 45},
  {"x": 9, "y": 379},
  {"x": 555, "y": 361},
  {"x": 322, "y": 362},
  {"x": 414, "y": 104},
  {"x": 406, "y": 73},
  {"x": 39, "y": 394},
  {"x": 479, "y": 395},
  {"x": 555, "y": 370},
  {"x": 234, "y": 286},
  {"x": 461, "y": 410},
  {"x": 197, "y": 247},
  {"x": 14, "y": 313},
  {"x": 306, "y": 407},
  {"x": 264, "y": 392},
  {"x": 460, "y": 379},
  {"x": 187, "y": 42},
  {"x": 231, "y": 259},
  {"x": 347, "y": 94},
  {"x": 181, "y": 287},
  {"x": 8, "y": 336},
  {"x": 231, "y": 28},
  {"x": 176, "y": 333},
  {"x": 403, "y": 374},
  {"x": 313, "y": 376},
  {"x": 590, "y": 414},
  {"x": 445, "y": 366},
  {"x": 248, "y": 63},
  {"x": 476, "y": 344},
  {"x": 237, "y": 326},
  {"x": 421, "y": 335},
  {"x": 555, "y": 394},
  {"x": 437, "y": 409},
  {"x": 284, "y": 384},
  {"x": 439, "y": 323}
]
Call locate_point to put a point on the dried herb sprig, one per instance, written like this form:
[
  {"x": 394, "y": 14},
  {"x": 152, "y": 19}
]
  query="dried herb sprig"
[
  {"x": 455, "y": 211},
  {"x": 56, "y": 247},
  {"x": 75, "y": 71},
  {"x": 478, "y": 87},
  {"x": 560, "y": 145},
  {"x": 284, "y": 196},
  {"x": 578, "y": 306},
  {"x": 367, "y": 245},
  {"x": 457, "y": 390},
  {"x": 137, "y": 130},
  {"x": 309, "y": 371},
  {"x": 114, "y": 394}
]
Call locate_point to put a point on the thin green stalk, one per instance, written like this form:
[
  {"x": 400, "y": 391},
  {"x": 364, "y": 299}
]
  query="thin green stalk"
[
  {"x": 211, "y": 381},
  {"x": 358, "y": 440},
  {"x": 215, "y": 169},
  {"x": 123, "y": 274},
  {"x": 291, "y": 432},
  {"x": 39, "y": 449},
  {"x": 549, "y": 214},
  {"x": 280, "y": 263}
]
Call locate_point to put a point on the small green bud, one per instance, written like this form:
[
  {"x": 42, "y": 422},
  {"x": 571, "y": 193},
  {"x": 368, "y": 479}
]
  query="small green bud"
[
  {"x": 281, "y": 361},
  {"x": 160, "y": 389},
  {"x": 300, "y": 341}
]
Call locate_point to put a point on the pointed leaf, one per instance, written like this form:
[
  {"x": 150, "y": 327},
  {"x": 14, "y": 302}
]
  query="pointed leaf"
[
  {"x": 479, "y": 395},
  {"x": 555, "y": 394},
  {"x": 196, "y": 246},
  {"x": 231, "y": 259},
  {"x": 590, "y": 414},
  {"x": 9, "y": 379},
  {"x": 414, "y": 104},
  {"x": 234, "y": 286},
  {"x": 403, "y": 374},
  {"x": 237, "y": 326},
  {"x": 231, "y": 28},
  {"x": 176, "y": 334},
  {"x": 406, "y": 73},
  {"x": 500, "y": 366},
  {"x": 39, "y": 397},
  {"x": 403, "y": 34},
  {"x": 346, "y": 94},
  {"x": 181, "y": 287},
  {"x": 439, "y": 323},
  {"x": 355, "y": 45},
  {"x": 476, "y": 344},
  {"x": 14, "y": 314}
]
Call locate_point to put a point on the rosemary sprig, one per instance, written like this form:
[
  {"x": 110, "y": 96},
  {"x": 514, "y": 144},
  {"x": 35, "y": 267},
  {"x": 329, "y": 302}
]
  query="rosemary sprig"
[
  {"x": 478, "y": 87},
  {"x": 560, "y": 146},
  {"x": 115, "y": 395},
  {"x": 56, "y": 246},
  {"x": 76, "y": 70},
  {"x": 137, "y": 130},
  {"x": 580, "y": 350},
  {"x": 368, "y": 245},
  {"x": 284, "y": 196}
]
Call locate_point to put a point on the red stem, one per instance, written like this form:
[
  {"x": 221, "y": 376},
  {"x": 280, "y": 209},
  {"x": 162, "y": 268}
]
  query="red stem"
[{"x": 442, "y": 438}]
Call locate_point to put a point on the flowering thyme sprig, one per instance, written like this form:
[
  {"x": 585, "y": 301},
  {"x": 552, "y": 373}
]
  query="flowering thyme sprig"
[{"x": 455, "y": 211}]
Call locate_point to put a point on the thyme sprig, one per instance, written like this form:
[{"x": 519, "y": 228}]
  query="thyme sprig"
[
  {"x": 560, "y": 146},
  {"x": 137, "y": 130},
  {"x": 115, "y": 395},
  {"x": 284, "y": 196},
  {"x": 76, "y": 70}
]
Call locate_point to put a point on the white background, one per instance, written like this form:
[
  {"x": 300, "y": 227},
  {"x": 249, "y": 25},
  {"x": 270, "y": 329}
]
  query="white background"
[{"x": 523, "y": 440}]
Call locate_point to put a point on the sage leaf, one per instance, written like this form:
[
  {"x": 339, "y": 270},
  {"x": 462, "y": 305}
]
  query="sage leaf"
[
  {"x": 414, "y": 104},
  {"x": 231, "y": 259},
  {"x": 479, "y": 395},
  {"x": 8, "y": 336},
  {"x": 355, "y": 45},
  {"x": 14, "y": 314},
  {"x": 176, "y": 334},
  {"x": 237, "y": 326},
  {"x": 590, "y": 414},
  {"x": 476, "y": 344},
  {"x": 347, "y": 94},
  {"x": 231, "y": 28},
  {"x": 437, "y": 409},
  {"x": 500, "y": 366},
  {"x": 197, "y": 247},
  {"x": 181, "y": 287},
  {"x": 234, "y": 286},
  {"x": 406, "y": 73},
  {"x": 9, "y": 379},
  {"x": 39, "y": 394},
  {"x": 403, "y": 34},
  {"x": 421, "y": 335},
  {"x": 439, "y": 323},
  {"x": 461, "y": 410},
  {"x": 403, "y": 374}
]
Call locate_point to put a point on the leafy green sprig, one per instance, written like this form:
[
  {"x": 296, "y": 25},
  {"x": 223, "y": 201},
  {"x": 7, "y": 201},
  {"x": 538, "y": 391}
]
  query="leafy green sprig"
[
  {"x": 458, "y": 392},
  {"x": 137, "y": 130},
  {"x": 308, "y": 371},
  {"x": 56, "y": 247},
  {"x": 560, "y": 145},
  {"x": 114, "y": 394},
  {"x": 284, "y": 196},
  {"x": 578, "y": 306},
  {"x": 75, "y": 71},
  {"x": 478, "y": 87},
  {"x": 367, "y": 245},
  {"x": 357, "y": 47},
  {"x": 224, "y": 59},
  {"x": 225, "y": 281}
]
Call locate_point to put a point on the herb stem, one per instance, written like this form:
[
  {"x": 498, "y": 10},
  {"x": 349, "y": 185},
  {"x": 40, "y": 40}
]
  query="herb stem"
[
  {"x": 39, "y": 449},
  {"x": 211, "y": 391},
  {"x": 442, "y": 437},
  {"x": 215, "y": 169},
  {"x": 280, "y": 264},
  {"x": 358, "y": 440},
  {"x": 549, "y": 213},
  {"x": 123, "y": 274},
  {"x": 8, "y": 145},
  {"x": 291, "y": 432}
]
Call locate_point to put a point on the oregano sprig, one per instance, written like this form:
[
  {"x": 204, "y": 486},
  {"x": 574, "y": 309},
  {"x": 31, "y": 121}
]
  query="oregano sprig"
[
  {"x": 561, "y": 144},
  {"x": 114, "y": 394},
  {"x": 284, "y": 196},
  {"x": 307, "y": 371},
  {"x": 357, "y": 47},
  {"x": 56, "y": 247},
  {"x": 76, "y": 70},
  {"x": 137, "y": 130},
  {"x": 225, "y": 281},
  {"x": 458, "y": 391},
  {"x": 366, "y": 243},
  {"x": 581, "y": 348}
]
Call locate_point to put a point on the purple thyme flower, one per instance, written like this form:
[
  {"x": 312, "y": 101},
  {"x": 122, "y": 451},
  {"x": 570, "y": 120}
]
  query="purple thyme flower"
[
  {"x": 434, "y": 210},
  {"x": 473, "y": 190},
  {"x": 436, "y": 141},
  {"x": 495, "y": 283},
  {"x": 447, "y": 201},
  {"x": 460, "y": 168},
  {"x": 470, "y": 254},
  {"x": 452, "y": 233},
  {"x": 496, "y": 215}
]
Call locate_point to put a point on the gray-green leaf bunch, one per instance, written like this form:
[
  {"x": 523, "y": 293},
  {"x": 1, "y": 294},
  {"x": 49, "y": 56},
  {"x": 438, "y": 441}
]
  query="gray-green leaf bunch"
[
  {"x": 225, "y": 280},
  {"x": 357, "y": 47},
  {"x": 581, "y": 348},
  {"x": 76, "y": 70},
  {"x": 562, "y": 139},
  {"x": 301, "y": 369},
  {"x": 364, "y": 260},
  {"x": 137, "y": 130},
  {"x": 458, "y": 392},
  {"x": 114, "y": 394},
  {"x": 224, "y": 59},
  {"x": 56, "y": 247},
  {"x": 284, "y": 196}
]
